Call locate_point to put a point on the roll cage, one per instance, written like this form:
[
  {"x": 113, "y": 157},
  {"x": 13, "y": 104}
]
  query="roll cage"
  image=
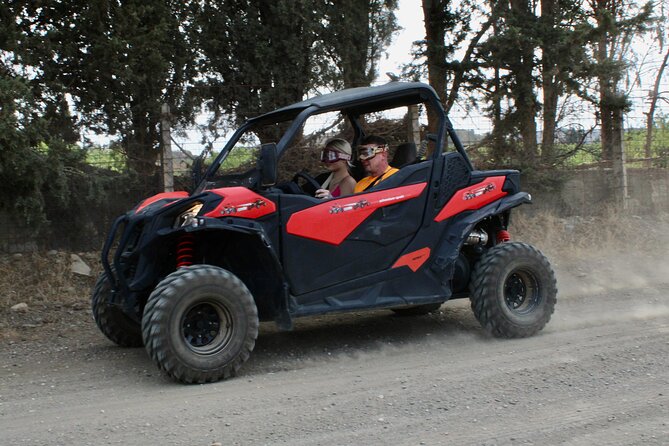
[{"x": 351, "y": 103}]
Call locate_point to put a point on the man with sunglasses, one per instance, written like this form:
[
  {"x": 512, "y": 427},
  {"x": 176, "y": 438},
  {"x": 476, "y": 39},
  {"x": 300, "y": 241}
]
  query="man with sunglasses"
[{"x": 373, "y": 154}]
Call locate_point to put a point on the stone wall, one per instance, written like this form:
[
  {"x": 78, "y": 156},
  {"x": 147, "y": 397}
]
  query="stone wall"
[
  {"x": 587, "y": 192},
  {"x": 582, "y": 193}
]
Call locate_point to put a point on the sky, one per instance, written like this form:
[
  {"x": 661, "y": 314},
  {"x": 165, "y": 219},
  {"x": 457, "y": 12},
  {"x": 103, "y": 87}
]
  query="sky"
[{"x": 410, "y": 18}]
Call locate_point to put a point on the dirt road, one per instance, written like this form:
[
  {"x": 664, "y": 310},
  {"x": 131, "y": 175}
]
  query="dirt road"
[{"x": 597, "y": 375}]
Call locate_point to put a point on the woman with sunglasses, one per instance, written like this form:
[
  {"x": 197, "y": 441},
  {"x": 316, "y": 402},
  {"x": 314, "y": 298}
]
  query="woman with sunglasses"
[
  {"x": 373, "y": 154},
  {"x": 336, "y": 156}
]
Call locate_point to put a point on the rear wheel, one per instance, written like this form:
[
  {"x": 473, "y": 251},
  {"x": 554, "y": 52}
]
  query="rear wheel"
[
  {"x": 110, "y": 319},
  {"x": 200, "y": 324},
  {"x": 513, "y": 290}
]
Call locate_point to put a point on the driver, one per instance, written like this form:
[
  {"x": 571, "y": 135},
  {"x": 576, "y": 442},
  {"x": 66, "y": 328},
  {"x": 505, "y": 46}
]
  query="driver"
[
  {"x": 336, "y": 156},
  {"x": 373, "y": 154}
]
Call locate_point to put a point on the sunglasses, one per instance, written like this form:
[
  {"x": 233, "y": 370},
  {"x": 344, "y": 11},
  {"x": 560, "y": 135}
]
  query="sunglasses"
[
  {"x": 366, "y": 153},
  {"x": 332, "y": 156}
]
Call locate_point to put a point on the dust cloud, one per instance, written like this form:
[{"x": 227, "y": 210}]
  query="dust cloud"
[
  {"x": 609, "y": 268},
  {"x": 594, "y": 254}
]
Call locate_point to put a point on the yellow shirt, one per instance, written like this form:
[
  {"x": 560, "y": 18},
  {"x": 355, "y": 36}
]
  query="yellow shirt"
[{"x": 366, "y": 182}]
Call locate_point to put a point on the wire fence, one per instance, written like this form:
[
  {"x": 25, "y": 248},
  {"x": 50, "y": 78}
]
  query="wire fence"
[{"x": 86, "y": 228}]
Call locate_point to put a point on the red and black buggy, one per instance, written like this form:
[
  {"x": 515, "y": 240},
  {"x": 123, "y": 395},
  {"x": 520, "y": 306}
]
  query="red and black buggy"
[{"x": 190, "y": 276}]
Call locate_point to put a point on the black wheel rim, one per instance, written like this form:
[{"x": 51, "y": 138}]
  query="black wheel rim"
[
  {"x": 207, "y": 327},
  {"x": 521, "y": 292}
]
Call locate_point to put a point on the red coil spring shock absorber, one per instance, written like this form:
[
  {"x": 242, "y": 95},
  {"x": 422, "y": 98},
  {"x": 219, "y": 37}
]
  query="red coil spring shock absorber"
[
  {"x": 185, "y": 250},
  {"x": 503, "y": 236}
]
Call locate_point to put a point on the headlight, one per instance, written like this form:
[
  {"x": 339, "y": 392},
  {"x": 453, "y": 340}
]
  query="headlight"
[{"x": 188, "y": 217}]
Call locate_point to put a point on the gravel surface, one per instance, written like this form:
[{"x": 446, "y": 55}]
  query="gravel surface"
[{"x": 597, "y": 375}]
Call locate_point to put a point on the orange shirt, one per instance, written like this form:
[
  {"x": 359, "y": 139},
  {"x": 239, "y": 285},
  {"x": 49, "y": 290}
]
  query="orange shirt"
[{"x": 366, "y": 182}]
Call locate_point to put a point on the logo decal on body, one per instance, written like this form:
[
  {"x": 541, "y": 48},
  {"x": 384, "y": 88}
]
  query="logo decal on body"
[
  {"x": 470, "y": 195},
  {"x": 227, "y": 210},
  {"x": 338, "y": 209},
  {"x": 240, "y": 202}
]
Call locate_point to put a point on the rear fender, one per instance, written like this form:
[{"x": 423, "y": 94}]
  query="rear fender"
[{"x": 459, "y": 227}]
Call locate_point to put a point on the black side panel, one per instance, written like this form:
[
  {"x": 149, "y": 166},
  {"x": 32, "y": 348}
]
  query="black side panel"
[
  {"x": 371, "y": 247},
  {"x": 456, "y": 176},
  {"x": 390, "y": 288}
]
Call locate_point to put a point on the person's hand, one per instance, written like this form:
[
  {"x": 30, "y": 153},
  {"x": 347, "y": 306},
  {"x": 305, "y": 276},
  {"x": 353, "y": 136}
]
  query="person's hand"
[{"x": 323, "y": 194}]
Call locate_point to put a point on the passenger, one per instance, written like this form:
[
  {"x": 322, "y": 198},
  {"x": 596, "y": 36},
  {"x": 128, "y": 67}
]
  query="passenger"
[
  {"x": 373, "y": 154},
  {"x": 337, "y": 156}
]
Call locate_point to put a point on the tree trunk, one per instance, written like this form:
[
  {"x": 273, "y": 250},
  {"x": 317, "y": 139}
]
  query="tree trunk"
[
  {"x": 550, "y": 94},
  {"x": 433, "y": 11},
  {"x": 523, "y": 90},
  {"x": 607, "y": 82},
  {"x": 606, "y": 117},
  {"x": 498, "y": 144},
  {"x": 618, "y": 159},
  {"x": 549, "y": 79},
  {"x": 141, "y": 147},
  {"x": 650, "y": 116}
]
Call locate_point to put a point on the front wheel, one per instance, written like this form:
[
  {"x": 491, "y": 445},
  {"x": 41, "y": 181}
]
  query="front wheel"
[
  {"x": 200, "y": 324},
  {"x": 110, "y": 319},
  {"x": 513, "y": 290}
]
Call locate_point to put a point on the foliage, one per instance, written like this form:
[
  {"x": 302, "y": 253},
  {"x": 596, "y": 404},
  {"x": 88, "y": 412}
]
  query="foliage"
[
  {"x": 635, "y": 141},
  {"x": 515, "y": 51},
  {"x": 351, "y": 40},
  {"x": 117, "y": 61},
  {"x": 49, "y": 189},
  {"x": 21, "y": 166},
  {"x": 274, "y": 53},
  {"x": 106, "y": 157}
]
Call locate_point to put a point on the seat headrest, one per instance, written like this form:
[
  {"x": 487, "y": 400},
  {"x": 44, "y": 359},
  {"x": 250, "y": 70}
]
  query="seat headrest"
[{"x": 404, "y": 154}]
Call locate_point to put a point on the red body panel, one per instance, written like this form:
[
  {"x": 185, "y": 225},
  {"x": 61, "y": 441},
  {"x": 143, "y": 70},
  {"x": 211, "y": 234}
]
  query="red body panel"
[
  {"x": 332, "y": 221},
  {"x": 473, "y": 197},
  {"x": 241, "y": 202},
  {"x": 413, "y": 260},
  {"x": 173, "y": 196}
]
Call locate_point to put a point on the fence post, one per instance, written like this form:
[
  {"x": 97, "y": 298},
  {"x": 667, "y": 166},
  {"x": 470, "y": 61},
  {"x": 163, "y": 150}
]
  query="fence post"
[
  {"x": 618, "y": 160},
  {"x": 167, "y": 165},
  {"x": 414, "y": 127}
]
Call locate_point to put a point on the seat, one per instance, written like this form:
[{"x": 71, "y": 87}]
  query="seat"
[{"x": 405, "y": 154}]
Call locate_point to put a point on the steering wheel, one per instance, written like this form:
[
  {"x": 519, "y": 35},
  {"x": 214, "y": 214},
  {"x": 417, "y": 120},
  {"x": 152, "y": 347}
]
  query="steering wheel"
[{"x": 309, "y": 181}]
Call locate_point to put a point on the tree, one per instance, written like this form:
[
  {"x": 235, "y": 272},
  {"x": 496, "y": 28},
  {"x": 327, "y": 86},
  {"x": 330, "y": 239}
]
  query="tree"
[
  {"x": 20, "y": 131},
  {"x": 508, "y": 80},
  {"x": 256, "y": 55},
  {"x": 616, "y": 23},
  {"x": 274, "y": 52},
  {"x": 353, "y": 37},
  {"x": 521, "y": 38},
  {"x": 564, "y": 66},
  {"x": 447, "y": 29},
  {"x": 118, "y": 61},
  {"x": 495, "y": 43},
  {"x": 654, "y": 94}
]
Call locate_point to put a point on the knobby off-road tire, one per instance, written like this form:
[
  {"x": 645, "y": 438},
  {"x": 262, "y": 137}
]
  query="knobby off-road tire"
[
  {"x": 200, "y": 324},
  {"x": 513, "y": 290},
  {"x": 111, "y": 320},
  {"x": 416, "y": 310}
]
